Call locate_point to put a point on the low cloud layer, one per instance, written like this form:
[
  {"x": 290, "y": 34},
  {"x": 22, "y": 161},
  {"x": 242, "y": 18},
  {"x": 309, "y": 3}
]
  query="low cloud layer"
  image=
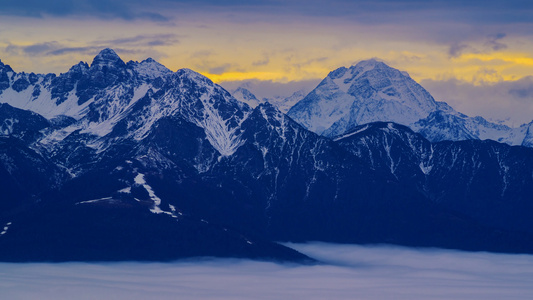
[{"x": 351, "y": 272}]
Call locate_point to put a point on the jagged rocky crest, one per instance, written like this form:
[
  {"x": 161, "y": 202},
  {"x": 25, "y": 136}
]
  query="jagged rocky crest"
[{"x": 142, "y": 163}]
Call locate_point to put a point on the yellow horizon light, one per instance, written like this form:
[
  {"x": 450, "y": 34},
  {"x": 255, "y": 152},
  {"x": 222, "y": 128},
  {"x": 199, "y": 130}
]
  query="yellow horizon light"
[
  {"x": 517, "y": 58},
  {"x": 280, "y": 77}
]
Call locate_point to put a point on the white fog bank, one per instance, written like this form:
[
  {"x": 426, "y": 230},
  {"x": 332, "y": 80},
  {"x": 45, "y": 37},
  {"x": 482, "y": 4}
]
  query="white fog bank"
[{"x": 351, "y": 272}]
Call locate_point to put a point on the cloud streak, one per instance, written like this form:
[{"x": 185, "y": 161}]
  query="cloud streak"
[
  {"x": 352, "y": 272},
  {"x": 54, "y": 48},
  {"x": 492, "y": 43}
]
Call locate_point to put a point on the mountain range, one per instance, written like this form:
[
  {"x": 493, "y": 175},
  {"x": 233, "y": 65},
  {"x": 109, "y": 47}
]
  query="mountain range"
[{"x": 131, "y": 161}]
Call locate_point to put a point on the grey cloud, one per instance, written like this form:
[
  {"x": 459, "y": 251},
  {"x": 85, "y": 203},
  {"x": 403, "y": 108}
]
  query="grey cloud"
[
  {"x": 480, "y": 77},
  {"x": 93, "y": 50},
  {"x": 262, "y": 62},
  {"x": 314, "y": 60},
  {"x": 523, "y": 89},
  {"x": 456, "y": 49},
  {"x": 135, "y": 44},
  {"x": 143, "y": 40},
  {"x": 220, "y": 69},
  {"x": 158, "y": 43},
  {"x": 494, "y": 42},
  {"x": 524, "y": 93},
  {"x": 67, "y": 50},
  {"x": 349, "y": 272},
  {"x": 202, "y": 54},
  {"x": 204, "y": 64},
  {"x": 505, "y": 100},
  {"x": 37, "y": 49},
  {"x": 152, "y": 17}
]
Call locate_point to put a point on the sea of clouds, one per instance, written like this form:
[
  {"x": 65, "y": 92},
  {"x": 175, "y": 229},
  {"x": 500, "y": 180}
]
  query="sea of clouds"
[{"x": 347, "y": 272}]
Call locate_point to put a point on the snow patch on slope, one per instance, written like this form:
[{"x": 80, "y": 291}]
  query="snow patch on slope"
[
  {"x": 156, "y": 208},
  {"x": 6, "y": 227},
  {"x": 115, "y": 110},
  {"x": 150, "y": 69},
  {"x": 351, "y": 133},
  {"x": 95, "y": 200},
  {"x": 43, "y": 104},
  {"x": 224, "y": 138},
  {"x": 222, "y": 128}
]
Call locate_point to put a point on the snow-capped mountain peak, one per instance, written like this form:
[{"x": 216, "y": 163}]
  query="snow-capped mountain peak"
[
  {"x": 193, "y": 75},
  {"x": 345, "y": 77},
  {"x": 132, "y": 111},
  {"x": 367, "y": 92},
  {"x": 371, "y": 91},
  {"x": 149, "y": 68},
  {"x": 371, "y": 64},
  {"x": 134, "y": 96},
  {"x": 107, "y": 57},
  {"x": 244, "y": 95}
]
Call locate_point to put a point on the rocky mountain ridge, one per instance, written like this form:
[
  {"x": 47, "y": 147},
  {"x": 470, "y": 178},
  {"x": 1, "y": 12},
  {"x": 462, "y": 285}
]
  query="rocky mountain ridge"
[{"x": 164, "y": 165}]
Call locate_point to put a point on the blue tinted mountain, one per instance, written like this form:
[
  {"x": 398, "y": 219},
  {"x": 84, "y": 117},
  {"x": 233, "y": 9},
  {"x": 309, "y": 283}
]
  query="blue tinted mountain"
[{"x": 161, "y": 165}]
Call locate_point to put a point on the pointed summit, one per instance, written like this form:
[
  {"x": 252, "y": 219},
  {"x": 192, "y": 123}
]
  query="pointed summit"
[
  {"x": 359, "y": 69},
  {"x": 4, "y": 77},
  {"x": 5, "y": 68},
  {"x": 371, "y": 63},
  {"x": 107, "y": 57},
  {"x": 244, "y": 95},
  {"x": 367, "y": 92}
]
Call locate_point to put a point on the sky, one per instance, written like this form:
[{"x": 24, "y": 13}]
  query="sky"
[
  {"x": 347, "y": 272},
  {"x": 476, "y": 55}
]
